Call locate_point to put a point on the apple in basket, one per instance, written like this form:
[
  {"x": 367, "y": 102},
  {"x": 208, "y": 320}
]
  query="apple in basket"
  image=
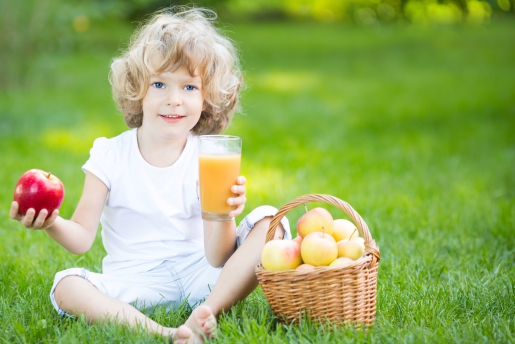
[
  {"x": 318, "y": 249},
  {"x": 280, "y": 255},
  {"x": 315, "y": 220},
  {"x": 344, "y": 229},
  {"x": 353, "y": 248},
  {"x": 303, "y": 267},
  {"x": 341, "y": 262}
]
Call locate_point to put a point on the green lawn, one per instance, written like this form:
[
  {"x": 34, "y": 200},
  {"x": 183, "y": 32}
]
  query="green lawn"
[{"x": 414, "y": 127}]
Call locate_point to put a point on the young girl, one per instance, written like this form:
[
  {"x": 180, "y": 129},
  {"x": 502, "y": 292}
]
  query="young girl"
[{"x": 179, "y": 78}]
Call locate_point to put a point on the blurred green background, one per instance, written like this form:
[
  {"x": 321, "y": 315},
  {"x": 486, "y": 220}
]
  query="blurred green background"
[
  {"x": 34, "y": 28},
  {"x": 405, "y": 109}
]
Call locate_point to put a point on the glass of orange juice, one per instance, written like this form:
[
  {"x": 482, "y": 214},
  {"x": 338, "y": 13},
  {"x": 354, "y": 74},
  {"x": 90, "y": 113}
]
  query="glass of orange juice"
[{"x": 219, "y": 167}]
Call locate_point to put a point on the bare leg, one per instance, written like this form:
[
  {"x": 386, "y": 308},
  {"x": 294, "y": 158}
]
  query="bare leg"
[
  {"x": 77, "y": 296},
  {"x": 240, "y": 267}
]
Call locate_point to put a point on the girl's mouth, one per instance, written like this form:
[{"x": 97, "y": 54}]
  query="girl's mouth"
[{"x": 172, "y": 118}]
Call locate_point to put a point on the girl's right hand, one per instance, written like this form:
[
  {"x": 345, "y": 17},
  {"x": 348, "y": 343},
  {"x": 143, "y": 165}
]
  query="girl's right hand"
[{"x": 29, "y": 221}]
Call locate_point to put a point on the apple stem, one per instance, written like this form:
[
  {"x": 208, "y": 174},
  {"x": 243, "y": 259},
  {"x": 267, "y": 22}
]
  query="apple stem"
[
  {"x": 354, "y": 231},
  {"x": 306, "y": 207},
  {"x": 48, "y": 175},
  {"x": 323, "y": 231}
]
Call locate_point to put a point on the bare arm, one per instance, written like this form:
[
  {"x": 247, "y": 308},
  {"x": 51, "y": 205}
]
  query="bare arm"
[
  {"x": 75, "y": 235},
  {"x": 220, "y": 237}
]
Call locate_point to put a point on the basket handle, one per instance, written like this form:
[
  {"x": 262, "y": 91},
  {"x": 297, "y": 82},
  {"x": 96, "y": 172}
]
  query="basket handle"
[{"x": 370, "y": 244}]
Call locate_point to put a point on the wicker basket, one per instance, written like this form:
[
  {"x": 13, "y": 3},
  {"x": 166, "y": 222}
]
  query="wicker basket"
[{"x": 340, "y": 295}]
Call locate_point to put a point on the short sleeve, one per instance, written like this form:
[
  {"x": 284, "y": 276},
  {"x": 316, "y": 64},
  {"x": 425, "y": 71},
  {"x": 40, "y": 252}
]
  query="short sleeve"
[{"x": 102, "y": 160}]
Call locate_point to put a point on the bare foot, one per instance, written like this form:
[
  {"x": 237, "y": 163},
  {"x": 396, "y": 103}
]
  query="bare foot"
[
  {"x": 182, "y": 335},
  {"x": 203, "y": 323}
]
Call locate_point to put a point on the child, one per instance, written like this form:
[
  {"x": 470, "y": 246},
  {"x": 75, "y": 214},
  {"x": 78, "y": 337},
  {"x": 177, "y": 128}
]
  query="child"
[{"x": 179, "y": 78}]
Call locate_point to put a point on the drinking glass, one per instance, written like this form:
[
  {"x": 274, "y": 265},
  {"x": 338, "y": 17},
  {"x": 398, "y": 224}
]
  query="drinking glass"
[{"x": 219, "y": 167}]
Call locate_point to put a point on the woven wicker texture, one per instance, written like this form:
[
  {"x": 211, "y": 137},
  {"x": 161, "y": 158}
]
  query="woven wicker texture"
[{"x": 341, "y": 295}]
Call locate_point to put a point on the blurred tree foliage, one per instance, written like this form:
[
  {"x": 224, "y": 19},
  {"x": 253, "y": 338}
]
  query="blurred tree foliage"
[
  {"x": 34, "y": 27},
  {"x": 374, "y": 12}
]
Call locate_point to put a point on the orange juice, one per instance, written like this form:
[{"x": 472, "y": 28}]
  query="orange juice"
[{"x": 217, "y": 174}]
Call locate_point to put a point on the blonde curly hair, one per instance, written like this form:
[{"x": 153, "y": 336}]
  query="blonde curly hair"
[{"x": 172, "y": 38}]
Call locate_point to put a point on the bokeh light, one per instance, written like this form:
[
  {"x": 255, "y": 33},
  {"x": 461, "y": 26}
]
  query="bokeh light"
[{"x": 81, "y": 23}]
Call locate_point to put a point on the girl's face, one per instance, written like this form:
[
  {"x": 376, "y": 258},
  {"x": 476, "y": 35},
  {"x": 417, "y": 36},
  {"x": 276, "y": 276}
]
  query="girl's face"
[{"x": 172, "y": 104}]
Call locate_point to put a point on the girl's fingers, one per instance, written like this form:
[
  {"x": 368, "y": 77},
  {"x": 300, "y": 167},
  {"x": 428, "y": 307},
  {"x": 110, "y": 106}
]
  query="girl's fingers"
[
  {"x": 238, "y": 189},
  {"x": 237, "y": 200},
  {"x": 13, "y": 212},
  {"x": 28, "y": 218},
  {"x": 51, "y": 219},
  {"x": 237, "y": 211},
  {"x": 40, "y": 220}
]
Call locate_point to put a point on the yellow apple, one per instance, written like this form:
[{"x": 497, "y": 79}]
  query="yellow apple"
[
  {"x": 342, "y": 261},
  {"x": 280, "y": 255},
  {"x": 318, "y": 249},
  {"x": 305, "y": 267},
  {"x": 343, "y": 229},
  {"x": 315, "y": 220},
  {"x": 298, "y": 239},
  {"x": 359, "y": 239},
  {"x": 352, "y": 249}
]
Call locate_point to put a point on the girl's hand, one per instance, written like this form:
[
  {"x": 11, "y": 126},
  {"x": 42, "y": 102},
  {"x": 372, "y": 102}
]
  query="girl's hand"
[
  {"x": 29, "y": 220},
  {"x": 240, "y": 199}
]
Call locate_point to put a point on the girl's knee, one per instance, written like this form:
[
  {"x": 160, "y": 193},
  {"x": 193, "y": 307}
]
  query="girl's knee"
[
  {"x": 263, "y": 226},
  {"x": 67, "y": 284},
  {"x": 257, "y": 223}
]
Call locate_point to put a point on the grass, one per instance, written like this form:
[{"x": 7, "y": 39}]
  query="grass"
[{"x": 412, "y": 126}]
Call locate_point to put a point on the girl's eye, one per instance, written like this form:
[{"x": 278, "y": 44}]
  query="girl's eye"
[
  {"x": 189, "y": 88},
  {"x": 158, "y": 85}
]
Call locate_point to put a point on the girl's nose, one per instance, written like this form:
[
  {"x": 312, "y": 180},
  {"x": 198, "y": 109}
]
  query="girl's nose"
[{"x": 174, "y": 98}]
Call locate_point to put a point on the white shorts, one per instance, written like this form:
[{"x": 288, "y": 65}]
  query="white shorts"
[{"x": 170, "y": 283}]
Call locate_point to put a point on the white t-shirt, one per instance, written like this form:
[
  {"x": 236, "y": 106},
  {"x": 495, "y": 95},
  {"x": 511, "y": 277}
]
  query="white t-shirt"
[{"x": 151, "y": 214}]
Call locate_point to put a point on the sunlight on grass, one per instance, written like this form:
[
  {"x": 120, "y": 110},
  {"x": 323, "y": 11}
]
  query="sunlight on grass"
[
  {"x": 281, "y": 81},
  {"x": 266, "y": 182},
  {"x": 76, "y": 140}
]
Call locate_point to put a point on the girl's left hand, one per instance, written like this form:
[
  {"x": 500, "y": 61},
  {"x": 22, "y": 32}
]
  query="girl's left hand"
[{"x": 239, "y": 201}]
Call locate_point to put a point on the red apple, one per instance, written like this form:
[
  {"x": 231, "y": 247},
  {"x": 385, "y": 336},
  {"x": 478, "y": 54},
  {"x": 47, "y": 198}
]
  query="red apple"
[
  {"x": 39, "y": 190},
  {"x": 315, "y": 220},
  {"x": 280, "y": 255}
]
